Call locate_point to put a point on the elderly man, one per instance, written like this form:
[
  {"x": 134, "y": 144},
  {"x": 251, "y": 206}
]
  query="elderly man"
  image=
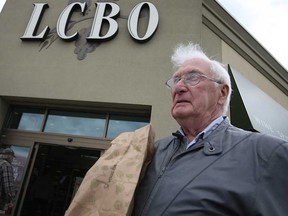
[
  {"x": 209, "y": 167},
  {"x": 7, "y": 190}
]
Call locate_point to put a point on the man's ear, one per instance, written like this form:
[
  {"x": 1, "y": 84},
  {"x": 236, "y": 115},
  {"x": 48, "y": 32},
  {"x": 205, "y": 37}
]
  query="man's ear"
[{"x": 224, "y": 91}]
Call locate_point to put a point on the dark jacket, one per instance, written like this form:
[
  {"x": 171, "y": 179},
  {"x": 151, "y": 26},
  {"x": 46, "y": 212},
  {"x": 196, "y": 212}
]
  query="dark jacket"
[{"x": 230, "y": 173}]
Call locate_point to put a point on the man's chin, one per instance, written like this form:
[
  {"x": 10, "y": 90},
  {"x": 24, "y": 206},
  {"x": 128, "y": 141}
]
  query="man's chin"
[{"x": 179, "y": 114}]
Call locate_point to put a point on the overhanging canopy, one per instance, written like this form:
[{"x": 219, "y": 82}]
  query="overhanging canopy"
[{"x": 252, "y": 109}]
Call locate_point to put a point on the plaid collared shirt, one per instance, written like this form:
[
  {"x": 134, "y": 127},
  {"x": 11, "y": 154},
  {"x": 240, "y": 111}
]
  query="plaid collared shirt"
[{"x": 7, "y": 190}]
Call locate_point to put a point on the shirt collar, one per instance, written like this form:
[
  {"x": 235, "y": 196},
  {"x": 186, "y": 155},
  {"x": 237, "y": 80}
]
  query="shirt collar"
[{"x": 203, "y": 134}]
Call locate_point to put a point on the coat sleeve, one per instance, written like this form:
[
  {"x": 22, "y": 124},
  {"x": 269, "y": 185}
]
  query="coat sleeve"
[{"x": 272, "y": 191}]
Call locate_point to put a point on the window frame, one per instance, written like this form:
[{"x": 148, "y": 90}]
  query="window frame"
[{"x": 126, "y": 111}]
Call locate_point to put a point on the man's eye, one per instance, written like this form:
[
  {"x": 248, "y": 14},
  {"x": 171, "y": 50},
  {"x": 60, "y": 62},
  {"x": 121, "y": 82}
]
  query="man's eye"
[
  {"x": 176, "y": 80},
  {"x": 191, "y": 77}
]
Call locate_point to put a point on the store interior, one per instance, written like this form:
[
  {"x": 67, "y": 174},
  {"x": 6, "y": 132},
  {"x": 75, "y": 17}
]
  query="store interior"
[{"x": 56, "y": 175}]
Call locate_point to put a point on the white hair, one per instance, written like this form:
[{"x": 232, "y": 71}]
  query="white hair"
[{"x": 183, "y": 53}]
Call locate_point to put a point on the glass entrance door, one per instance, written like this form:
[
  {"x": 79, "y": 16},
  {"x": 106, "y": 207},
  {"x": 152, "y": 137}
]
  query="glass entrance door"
[{"x": 55, "y": 176}]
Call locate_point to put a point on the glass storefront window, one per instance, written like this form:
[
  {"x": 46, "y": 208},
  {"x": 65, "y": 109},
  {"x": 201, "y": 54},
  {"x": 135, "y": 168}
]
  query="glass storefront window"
[
  {"x": 119, "y": 124},
  {"x": 86, "y": 124},
  {"x": 26, "y": 119}
]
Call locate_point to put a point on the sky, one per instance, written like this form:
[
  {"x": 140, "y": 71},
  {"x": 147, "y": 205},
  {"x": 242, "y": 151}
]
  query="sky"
[
  {"x": 266, "y": 21},
  {"x": 2, "y": 2},
  {"x": 263, "y": 19}
]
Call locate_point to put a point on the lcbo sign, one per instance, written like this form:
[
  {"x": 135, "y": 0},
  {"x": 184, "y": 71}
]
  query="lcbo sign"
[{"x": 100, "y": 17}]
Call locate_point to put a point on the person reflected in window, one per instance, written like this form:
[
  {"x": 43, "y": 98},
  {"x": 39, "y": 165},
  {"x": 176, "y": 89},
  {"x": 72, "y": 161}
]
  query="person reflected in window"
[{"x": 7, "y": 185}]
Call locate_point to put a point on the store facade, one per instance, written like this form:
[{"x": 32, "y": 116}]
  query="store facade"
[{"x": 73, "y": 75}]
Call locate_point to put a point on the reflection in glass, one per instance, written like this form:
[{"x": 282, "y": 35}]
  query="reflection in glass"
[
  {"x": 119, "y": 124},
  {"x": 19, "y": 165},
  {"x": 26, "y": 119},
  {"x": 87, "y": 124}
]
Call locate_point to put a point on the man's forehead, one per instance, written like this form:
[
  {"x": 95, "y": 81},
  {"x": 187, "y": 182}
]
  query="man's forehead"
[{"x": 195, "y": 64}]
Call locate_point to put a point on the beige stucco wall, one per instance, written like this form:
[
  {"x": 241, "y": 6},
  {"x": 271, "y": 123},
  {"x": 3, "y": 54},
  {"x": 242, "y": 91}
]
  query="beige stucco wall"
[
  {"x": 211, "y": 43},
  {"x": 247, "y": 70},
  {"x": 118, "y": 71}
]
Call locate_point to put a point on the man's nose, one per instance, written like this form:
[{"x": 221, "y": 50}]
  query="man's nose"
[{"x": 180, "y": 86}]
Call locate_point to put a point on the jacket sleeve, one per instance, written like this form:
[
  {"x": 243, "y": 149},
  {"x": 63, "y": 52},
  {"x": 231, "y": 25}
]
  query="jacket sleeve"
[{"x": 272, "y": 191}]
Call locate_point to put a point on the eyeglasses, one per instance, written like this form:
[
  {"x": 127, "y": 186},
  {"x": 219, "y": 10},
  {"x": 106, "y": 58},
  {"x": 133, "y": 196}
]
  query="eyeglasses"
[{"x": 190, "y": 79}]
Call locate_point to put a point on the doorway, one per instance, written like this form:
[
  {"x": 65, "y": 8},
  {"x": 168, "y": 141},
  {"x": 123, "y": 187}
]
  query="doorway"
[{"x": 56, "y": 174}]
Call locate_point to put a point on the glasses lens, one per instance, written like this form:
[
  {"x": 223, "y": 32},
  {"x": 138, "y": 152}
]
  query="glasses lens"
[
  {"x": 192, "y": 79},
  {"x": 176, "y": 80},
  {"x": 173, "y": 81},
  {"x": 169, "y": 83}
]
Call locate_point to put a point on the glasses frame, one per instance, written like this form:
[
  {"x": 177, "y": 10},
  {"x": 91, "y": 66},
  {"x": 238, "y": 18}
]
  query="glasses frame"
[{"x": 170, "y": 83}]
